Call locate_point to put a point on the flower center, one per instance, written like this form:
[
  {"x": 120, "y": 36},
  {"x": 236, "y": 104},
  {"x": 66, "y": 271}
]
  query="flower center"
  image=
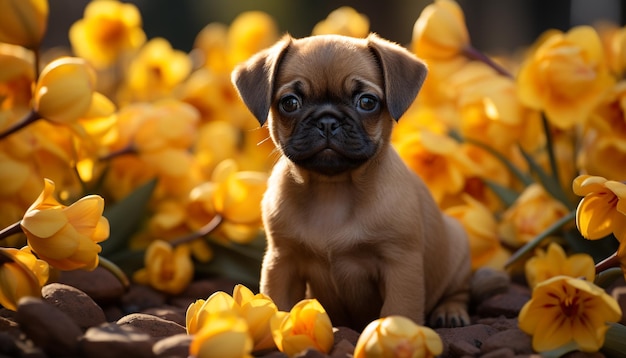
[{"x": 569, "y": 306}]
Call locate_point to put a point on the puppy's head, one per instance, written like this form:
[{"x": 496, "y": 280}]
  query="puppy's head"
[{"x": 330, "y": 101}]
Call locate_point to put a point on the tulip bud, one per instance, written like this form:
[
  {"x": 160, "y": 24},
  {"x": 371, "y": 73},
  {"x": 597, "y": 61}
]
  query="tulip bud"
[
  {"x": 21, "y": 275},
  {"x": 23, "y": 22},
  {"x": 440, "y": 31},
  {"x": 227, "y": 336}
]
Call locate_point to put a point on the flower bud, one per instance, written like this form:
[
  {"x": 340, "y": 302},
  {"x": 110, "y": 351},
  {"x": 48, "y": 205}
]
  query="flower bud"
[
  {"x": 21, "y": 275},
  {"x": 23, "y": 22},
  {"x": 440, "y": 32}
]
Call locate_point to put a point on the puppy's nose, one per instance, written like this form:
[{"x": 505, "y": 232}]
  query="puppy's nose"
[{"x": 328, "y": 126}]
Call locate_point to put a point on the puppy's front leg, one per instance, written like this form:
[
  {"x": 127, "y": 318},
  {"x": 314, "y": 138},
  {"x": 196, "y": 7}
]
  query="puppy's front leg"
[
  {"x": 404, "y": 288},
  {"x": 280, "y": 280}
]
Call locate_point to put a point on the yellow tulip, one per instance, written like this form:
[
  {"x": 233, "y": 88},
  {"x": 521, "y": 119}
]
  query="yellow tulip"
[
  {"x": 440, "y": 32},
  {"x": 198, "y": 313},
  {"x": 397, "y": 336},
  {"x": 344, "y": 21},
  {"x": 602, "y": 210},
  {"x": 257, "y": 310},
  {"x": 21, "y": 275},
  {"x": 225, "y": 337},
  {"x": 566, "y": 76},
  {"x": 107, "y": 30},
  {"x": 66, "y": 237},
  {"x": 65, "y": 92},
  {"x": 481, "y": 228},
  {"x": 306, "y": 326},
  {"x": 23, "y": 22},
  {"x": 166, "y": 269},
  {"x": 250, "y": 32},
  {"x": 565, "y": 311},
  {"x": 532, "y": 213},
  {"x": 553, "y": 262}
]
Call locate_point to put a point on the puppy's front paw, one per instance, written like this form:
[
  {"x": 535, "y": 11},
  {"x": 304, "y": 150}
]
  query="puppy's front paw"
[{"x": 449, "y": 314}]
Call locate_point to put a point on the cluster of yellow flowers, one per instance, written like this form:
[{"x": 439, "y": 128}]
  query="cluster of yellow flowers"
[
  {"x": 500, "y": 144},
  {"x": 245, "y": 323}
]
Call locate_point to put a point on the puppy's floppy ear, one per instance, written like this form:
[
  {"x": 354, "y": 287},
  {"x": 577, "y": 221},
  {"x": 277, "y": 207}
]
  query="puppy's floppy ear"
[
  {"x": 254, "y": 79},
  {"x": 403, "y": 74}
]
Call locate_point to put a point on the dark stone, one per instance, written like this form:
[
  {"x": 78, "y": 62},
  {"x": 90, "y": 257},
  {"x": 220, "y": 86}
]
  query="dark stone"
[
  {"x": 507, "y": 304},
  {"x": 346, "y": 333},
  {"x": 99, "y": 284},
  {"x": 463, "y": 349},
  {"x": 474, "y": 335},
  {"x": 173, "y": 347},
  {"x": 514, "y": 339},
  {"x": 110, "y": 340},
  {"x": 74, "y": 303},
  {"x": 170, "y": 313},
  {"x": 140, "y": 297},
  {"x": 153, "y": 326},
  {"x": 342, "y": 349}
]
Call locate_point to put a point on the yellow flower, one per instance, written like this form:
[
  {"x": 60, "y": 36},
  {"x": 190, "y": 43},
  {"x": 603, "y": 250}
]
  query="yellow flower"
[
  {"x": 602, "y": 210},
  {"x": 66, "y": 237},
  {"x": 553, "y": 262},
  {"x": 225, "y": 337},
  {"x": 481, "y": 228},
  {"x": 106, "y": 31},
  {"x": 437, "y": 159},
  {"x": 440, "y": 32},
  {"x": 17, "y": 74},
  {"x": 533, "y": 212},
  {"x": 250, "y": 32},
  {"x": 344, "y": 21},
  {"x": 565, "y": 310},
  {"x": 166, "y": 268},
  {"x": 306, "y": 326},
  {"x": 256, "y": 310},
  {"x": 156, "y": 71},
  {"x": 21, "y": 275},
  {"x": 397, "y": 336},
  {"x": 23, "y": 22},
  {"x": 566, "y": 76},
  {"x": 212, "y": 40},
  {"x": 65, "y": 92}
]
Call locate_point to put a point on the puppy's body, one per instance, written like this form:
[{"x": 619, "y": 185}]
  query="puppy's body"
[{"x": 347, "y": 222}]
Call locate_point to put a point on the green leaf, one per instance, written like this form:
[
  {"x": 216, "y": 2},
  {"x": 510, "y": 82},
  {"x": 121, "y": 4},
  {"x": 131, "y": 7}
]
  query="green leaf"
[
  {"x": 125, "y": 217},
  {"x": 615, "y": 341},
  {"x": 508, "y": 196},
  {"x": 235, "y": 262},
  {"x": 597, "y": 249},
  {"x": 549, "y": 182},
  {"x": 606, "y": 278}
]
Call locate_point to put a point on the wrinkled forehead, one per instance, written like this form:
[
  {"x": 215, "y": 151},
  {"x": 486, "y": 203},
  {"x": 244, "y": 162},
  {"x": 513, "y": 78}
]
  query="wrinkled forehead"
[{"x": 329, "y": 65}]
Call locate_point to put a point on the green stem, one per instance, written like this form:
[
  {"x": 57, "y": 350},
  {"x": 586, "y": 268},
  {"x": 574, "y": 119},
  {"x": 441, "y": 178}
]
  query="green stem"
[
  {"x": 31, "y": 117},
  {"x": 203, "y": 231},
  {"x": 609, "y": 262},
  {"x": 550, "y": 147},
  {"x": 115, "y": 270},
  {"x": 474, "y": 54},
  {"x": 11, "y": 230}
]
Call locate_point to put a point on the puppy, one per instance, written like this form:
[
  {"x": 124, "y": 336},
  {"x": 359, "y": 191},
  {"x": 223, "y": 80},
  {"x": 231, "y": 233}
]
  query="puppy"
[{"x": 346, "y": 221}]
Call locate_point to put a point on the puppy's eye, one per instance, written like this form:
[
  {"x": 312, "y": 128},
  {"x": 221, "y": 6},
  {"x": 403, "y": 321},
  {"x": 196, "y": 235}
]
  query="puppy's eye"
[
  {"x": 289, "y": 103},
  {"x": 367, "y": 103}
]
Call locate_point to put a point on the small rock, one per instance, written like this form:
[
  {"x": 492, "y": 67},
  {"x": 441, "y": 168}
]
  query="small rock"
[
  {"x": 487, "y": 282},
  {"x": 9, "y": 326},
  {"x": 514, "y": 339},
  {"x": 48, "y": 327},
  {"x": 500, "y": 353},
  {"x": 74, "y": 303},
  {"x": 500, "y": 323},
  {"x": 475, "y": 335},
  {"x": 463, "y": 349},
  {"x": 507, "y": 304},
  {"x": 343, "y": 349},
  {"x": 311, "y": 353},
  {"x": 153, "y": 326},
  {"x": 173, "y": 347},
  {"x": 110, "y": 340},
  {"x": 140, "y": 297},
  {"x": 99, "y": 284},
  {"x": 341, "y": 333},
  {"x": 170, "y": 313},
  {"x": 8, "y": 345}
]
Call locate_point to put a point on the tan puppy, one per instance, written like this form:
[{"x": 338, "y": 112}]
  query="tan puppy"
[{"x": 347, "y": 222}]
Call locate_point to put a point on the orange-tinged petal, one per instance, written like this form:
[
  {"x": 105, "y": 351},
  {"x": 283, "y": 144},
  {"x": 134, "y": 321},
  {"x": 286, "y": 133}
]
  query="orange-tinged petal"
[
  {"x": 593, "y": 217},
  {"x": 44, "y": 223},
  {"x": 85, "y": 213}
]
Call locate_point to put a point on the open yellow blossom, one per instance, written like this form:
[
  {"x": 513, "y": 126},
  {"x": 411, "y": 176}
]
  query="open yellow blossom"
[
  {"x": 481, "y": 228},
  {"x": 65, "y": 92},
  {"x": 21, "y": 275},
  {"x": 437, "y": 159},
  {"x": 17, "y": 74},
  {"x": 168, "y": 269},
  {"x": 344, "y": 21},
  {"x": 602, "y": 210},
  {"x": 306, "y": 326},
  {"x": 156, "y": 71},
  {"x": 397, "y": 336},
  {"x": 531, "y": 214},
  {"x": 566, "y": 76},
  {"x": 440, "y": 32},
  {"x": 553, "y": 262},
  {"x": 23, "y": 22},
  {"x": 568, "y": 311},
  {"x": 107, "y": 30},
  {"x": 66, "y": 237},
  {"x": 226, "y": 337}
]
